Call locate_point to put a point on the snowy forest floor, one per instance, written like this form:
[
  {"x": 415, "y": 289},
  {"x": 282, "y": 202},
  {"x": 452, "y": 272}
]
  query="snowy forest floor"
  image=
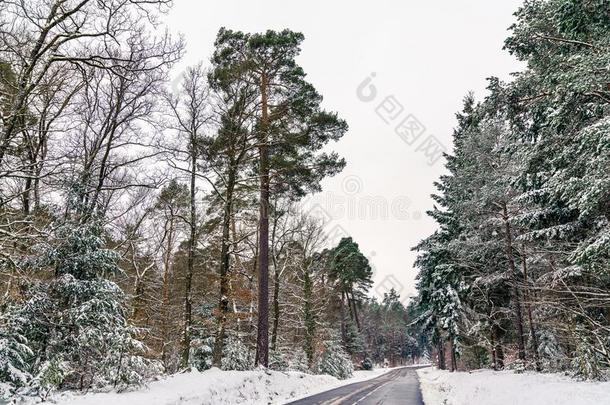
[
  {"x": 486, "y": 387},
  {"x": 221, "y": 387}
]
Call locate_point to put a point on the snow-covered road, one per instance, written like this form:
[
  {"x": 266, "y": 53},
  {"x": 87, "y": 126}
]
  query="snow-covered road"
[{"x": 400, "y": 386}]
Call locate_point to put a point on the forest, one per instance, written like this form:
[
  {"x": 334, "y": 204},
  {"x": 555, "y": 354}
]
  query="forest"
[
  {"x": 517, "y": 274},
  {"x": 150, "y": 226}
]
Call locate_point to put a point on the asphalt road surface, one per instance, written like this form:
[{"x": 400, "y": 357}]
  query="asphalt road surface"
[{"x": 398, "y": 387}]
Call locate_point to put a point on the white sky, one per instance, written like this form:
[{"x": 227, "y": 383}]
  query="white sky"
[{"x": 427, "y": 54}]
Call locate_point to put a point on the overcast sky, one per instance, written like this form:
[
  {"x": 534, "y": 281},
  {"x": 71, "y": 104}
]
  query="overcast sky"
[{"x": 422, "y": 56}]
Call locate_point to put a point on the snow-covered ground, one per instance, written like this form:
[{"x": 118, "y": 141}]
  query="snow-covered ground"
[
  {"x": 486, "y": 387},
  {"x": 222, "y": 387}
]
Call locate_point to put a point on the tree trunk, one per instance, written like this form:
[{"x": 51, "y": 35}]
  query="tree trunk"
[
  {"x": 440, "y": 347},
  {"x": 223, "y": 304},
  {"x": 493, "y": 349},
  {"x": 262, "y": 337},
  {"x": 355, "y": 312},
  {"x": 497, "y": 348},
  {"x": 499, "y": 356},
  {"x": 310, "y": 321},
  {"x": 188, "y": 279},
  {"x": 138, "y": 298},
  {"x": 27, "y": 192},
  {"x": 342, "y": 314},
  {"x": 165, "y": 307},
  {"x": 276, "y": 308},
  {"x": 453, "y": 355},
  {"x": 252, "y": 289},
  {"x": 37, "y": 186},
  {"x": 513, "y": 272},
  {"x": 349, "y": 307},
  {"x": 528, "y": 308}
]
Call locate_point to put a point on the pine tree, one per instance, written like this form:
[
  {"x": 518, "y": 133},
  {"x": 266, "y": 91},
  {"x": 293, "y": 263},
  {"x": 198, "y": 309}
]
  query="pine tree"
[
  {"x": 351, "y": 272},
  {"x": 228, "y": 154},
  {"x": 291, "y": 129}
]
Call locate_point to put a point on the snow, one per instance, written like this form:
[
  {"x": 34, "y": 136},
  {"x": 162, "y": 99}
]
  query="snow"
[
  {"x": 215, "y": 386},
  {"x": 486, "y": 387}
]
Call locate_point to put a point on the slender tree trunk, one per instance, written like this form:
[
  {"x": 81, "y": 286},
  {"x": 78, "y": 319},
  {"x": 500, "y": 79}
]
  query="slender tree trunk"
[
  {"x": 252, "y": 290},
  {"x": 499, "y": 356},
  {"x": 453, "y": 355},
  {"x": 528, "y": 308},
  {"x": 262, "y": 338},
  {"x": 167, "y": 263},
  {"x": 440, "y": 347},
  {"x": 516, "y": 292},
  {"x": 310, "y": 321},
  {"x": 342, "y": 314},
  {"x": 27, "y": 192},
  {"x": 498, "y": 351},
  {"x": 238, "y": 264},
  {"x": 138, "y": 298},
  {"x": 349, "y": 307},
  {"x": 188, "y": 279},
  {"x": 276, "y": 286},
  {"x": 39, "y": 167},
  {"x": 493, "y": 349},
  {"x": 223, "y": 304},
  {"x": 355, "y": 312},
  {"x": 276, "y": 308}
]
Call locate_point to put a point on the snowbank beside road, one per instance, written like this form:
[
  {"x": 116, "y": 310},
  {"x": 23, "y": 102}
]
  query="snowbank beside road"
[
  {"x": 222, "y": 387},
  {"x": 486, "y": 387}
]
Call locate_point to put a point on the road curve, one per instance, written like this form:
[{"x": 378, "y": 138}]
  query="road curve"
[{"x": 399, "y": 386}]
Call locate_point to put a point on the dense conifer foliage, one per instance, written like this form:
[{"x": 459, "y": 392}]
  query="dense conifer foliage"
[{"x": 517, "y": 272}]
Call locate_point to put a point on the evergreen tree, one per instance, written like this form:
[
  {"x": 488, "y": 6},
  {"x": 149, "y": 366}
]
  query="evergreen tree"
[
  {"x": 351, "y": 272},
  {"x": 291, "y": 129},
  {"x": 298, "y": 361},
  {"x": 15, "y": 355},
  {"x": 74, "y": 324},
  {"x": 523, "y": 212},
  {"x": 335, "y": 361},
  {"x": 237, "y": 356},
  {"x": 229, "y": 154}
]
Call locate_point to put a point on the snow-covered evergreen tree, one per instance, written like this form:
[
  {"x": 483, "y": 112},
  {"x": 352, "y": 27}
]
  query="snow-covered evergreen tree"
[
  {"x": 354, "y": 342},
  {"x": 75, "y": 324},
  {"x": 15, "y": 355},
  {"x": 298, "y": 361},
  {"x": 236, "y": 356},
  {"x": 587, "y": 362},
  {"x": 335, "y": 361},
  {"x": 201, "y": 357},
  {"x": 278, "y": 360}
]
